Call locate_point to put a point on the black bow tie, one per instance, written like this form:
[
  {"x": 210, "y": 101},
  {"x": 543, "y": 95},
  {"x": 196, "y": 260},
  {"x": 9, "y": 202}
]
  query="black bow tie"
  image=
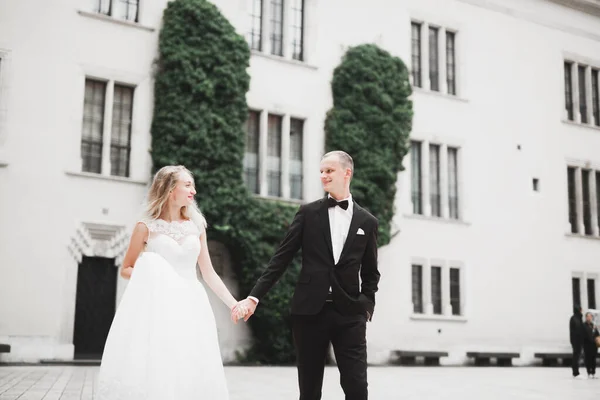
[{"x": 331, "y": 202}]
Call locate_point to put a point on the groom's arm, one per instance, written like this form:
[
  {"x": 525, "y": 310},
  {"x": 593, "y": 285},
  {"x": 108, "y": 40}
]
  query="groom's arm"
[
  {"x": 369, "y": 274},
  {"x": 288, "y": 247}
]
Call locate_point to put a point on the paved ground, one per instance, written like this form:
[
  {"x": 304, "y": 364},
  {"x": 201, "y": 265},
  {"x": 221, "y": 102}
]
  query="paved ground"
[{"x": 279, "y": 383}]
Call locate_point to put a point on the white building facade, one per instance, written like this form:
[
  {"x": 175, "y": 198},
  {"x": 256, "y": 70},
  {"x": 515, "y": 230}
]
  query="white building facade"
[{"x": 497, "y": 213}]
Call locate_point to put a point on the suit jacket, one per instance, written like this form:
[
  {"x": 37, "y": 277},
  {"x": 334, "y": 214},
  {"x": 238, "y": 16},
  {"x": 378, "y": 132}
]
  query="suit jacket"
[{"x": 310, "y": 231}]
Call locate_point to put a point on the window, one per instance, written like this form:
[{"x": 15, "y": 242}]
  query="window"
[
  {"x": 416, "y": 181},
  {"x": 121, "y": 9},
  {"x": 569, "y": 90},
  {"x": 427, "y": 196},
  {"x": 450, "y": 63},
  {"x": 274, "y": 156},
  {"x": 582, "y": 203},
  {"x": 591, "y": 292},
  {"x": 251, "y": 154},
  {"x": 434, "y": 180},
  {"x": 94, "y": 134},
  {"x": 417, "y": 288},
  {"x": 455, "y": 290},
  {"x": 453, "y": 182},
  {"x": 436, "y": 289},
  {"x": 277, "y": 27},
  {"x": 576, "y": 292},
  {"x": 254, "y": 36},
  {"x": 120, "y": 145},
  {"x": 93, "y": 126},
  {"x": 416, "y": 54},
  {"x": 572, "y": 199},
  {"x": 298, "y": 29},
  {"x": 434, "y": 74},
  {"x": 433, "y": 48},
  {"x": 296, "y": 143},
  {"x": 264, "y": 173}
]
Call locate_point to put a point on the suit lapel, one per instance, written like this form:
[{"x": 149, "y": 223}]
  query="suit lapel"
[
  {"x": 325, "y": 227},
  {"x": 357, "y": 218}
]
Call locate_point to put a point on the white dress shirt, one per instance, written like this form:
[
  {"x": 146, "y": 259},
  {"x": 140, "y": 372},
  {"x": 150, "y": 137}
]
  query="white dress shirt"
[{"x": 339, "y": 224}]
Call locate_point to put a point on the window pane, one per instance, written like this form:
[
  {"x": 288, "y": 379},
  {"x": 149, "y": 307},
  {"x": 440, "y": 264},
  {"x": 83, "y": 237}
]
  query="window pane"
[
  {"x": 125, "y": 9},
  {"x": 297, "y": 29},
  {"x": 436, "y": 289},
  {"x": 595, "y": 100},
  {"x": 576, "y": 292},
  {"x": 417, "y": 289},
  {"x": 296, "y": 143},
  {"x": 434, "y": 74},
  {"x": 591, "y": 290},
  {"x": 569, "y": 90},
  {"x": 277, "y": 27},
  {"x": 455, "y": 291},
  {"x": 120, "y": 142},
  {"x": 450, "y": 63},
  {"x": 572, "y": 199},
  {"x": 254, "y": 36},
  {"x": 92, "y": 126},
  {"x": 453, "y": 182},
  {"x": 587, "y": 205},
  {"x": 251, "y": 158},
  {"x": 416, "y": 54},
  {"x": 582, "y": 94},
  {"x": 416, "y": 176},
  {"x": 274, "y": 156},
  {"x": 434, "y": 180}
]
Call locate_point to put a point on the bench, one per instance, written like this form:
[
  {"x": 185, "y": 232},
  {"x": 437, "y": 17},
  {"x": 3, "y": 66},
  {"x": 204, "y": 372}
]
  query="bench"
[
  {"x": 551, "y": 359},
  {"x": 408, "y": 357},
  {"x": 483, "y": 358}
]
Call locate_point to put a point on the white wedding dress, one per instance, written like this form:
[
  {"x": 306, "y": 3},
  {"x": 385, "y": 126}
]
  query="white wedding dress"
[{"x": 163, "y": 343}]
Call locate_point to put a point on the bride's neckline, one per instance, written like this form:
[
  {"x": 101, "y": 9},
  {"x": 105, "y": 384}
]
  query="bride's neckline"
[{"x": 172, "y": 222}]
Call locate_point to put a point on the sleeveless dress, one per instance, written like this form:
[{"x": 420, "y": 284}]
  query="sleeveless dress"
[{"x": 163, "y": 344}]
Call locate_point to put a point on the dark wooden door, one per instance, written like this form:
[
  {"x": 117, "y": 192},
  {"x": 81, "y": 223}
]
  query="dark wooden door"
[{"x": 95, "y": 305}]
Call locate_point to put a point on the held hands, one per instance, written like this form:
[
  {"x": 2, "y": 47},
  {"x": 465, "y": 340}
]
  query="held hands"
[{"x": 243, "y": 309}]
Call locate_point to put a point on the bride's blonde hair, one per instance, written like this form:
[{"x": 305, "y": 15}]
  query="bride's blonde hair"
[{"x": 165, "y": 180}]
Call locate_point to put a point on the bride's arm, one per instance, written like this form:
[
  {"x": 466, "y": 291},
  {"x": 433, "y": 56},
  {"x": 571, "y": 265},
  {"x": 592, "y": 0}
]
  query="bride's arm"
[
  {"x": 211, "y": 277},
  {"x": 136, "y": 245}
]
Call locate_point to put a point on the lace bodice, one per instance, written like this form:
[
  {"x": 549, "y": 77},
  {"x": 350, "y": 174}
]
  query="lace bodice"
[{"x": 177, "y": 242}]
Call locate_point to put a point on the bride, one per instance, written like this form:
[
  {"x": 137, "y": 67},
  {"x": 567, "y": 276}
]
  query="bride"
[{"x": 163, "y": 340}]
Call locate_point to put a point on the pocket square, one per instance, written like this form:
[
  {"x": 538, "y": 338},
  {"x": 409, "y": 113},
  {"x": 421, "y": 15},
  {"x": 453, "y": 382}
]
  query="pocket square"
[{"x": 360, "y": 231}]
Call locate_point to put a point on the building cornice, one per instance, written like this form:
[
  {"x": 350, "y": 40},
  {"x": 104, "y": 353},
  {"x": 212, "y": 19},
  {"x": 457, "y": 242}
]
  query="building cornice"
[{"x": 591, "y": 7}]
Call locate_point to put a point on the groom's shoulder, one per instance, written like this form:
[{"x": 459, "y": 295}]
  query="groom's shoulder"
[{"x": 313, "y": 205}]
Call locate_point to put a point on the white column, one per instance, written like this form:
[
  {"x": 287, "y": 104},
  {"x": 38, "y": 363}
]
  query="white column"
[
  {"x": 594, "y": 203},
  {"x": 444, "y": 181},
  {"x": 442, "y": 60},
  {"x": 425, "y": 56},
  {"x": 285, "y": 157},
  {"x": 425, "y": 178},
  {"x": 446, "y": 306},
  {"x": 262, "y": 151},
  {"x": 575, "y": 86},
  {"x": 579, "y": 201},
  {"x": 427, "y": 304},
  {"x": 108, "y": 108}
]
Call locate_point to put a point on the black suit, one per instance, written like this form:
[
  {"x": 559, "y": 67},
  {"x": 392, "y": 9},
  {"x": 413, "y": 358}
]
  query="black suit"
[{"x": 316, "y": 319}]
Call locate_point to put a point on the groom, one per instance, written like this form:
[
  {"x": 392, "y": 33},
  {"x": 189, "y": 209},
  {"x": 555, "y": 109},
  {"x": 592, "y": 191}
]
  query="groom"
[{"x": 335, "y": 293}]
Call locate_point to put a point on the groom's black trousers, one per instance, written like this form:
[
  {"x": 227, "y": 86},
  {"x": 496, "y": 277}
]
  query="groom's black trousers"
[{"x": 347, "y": 334}]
